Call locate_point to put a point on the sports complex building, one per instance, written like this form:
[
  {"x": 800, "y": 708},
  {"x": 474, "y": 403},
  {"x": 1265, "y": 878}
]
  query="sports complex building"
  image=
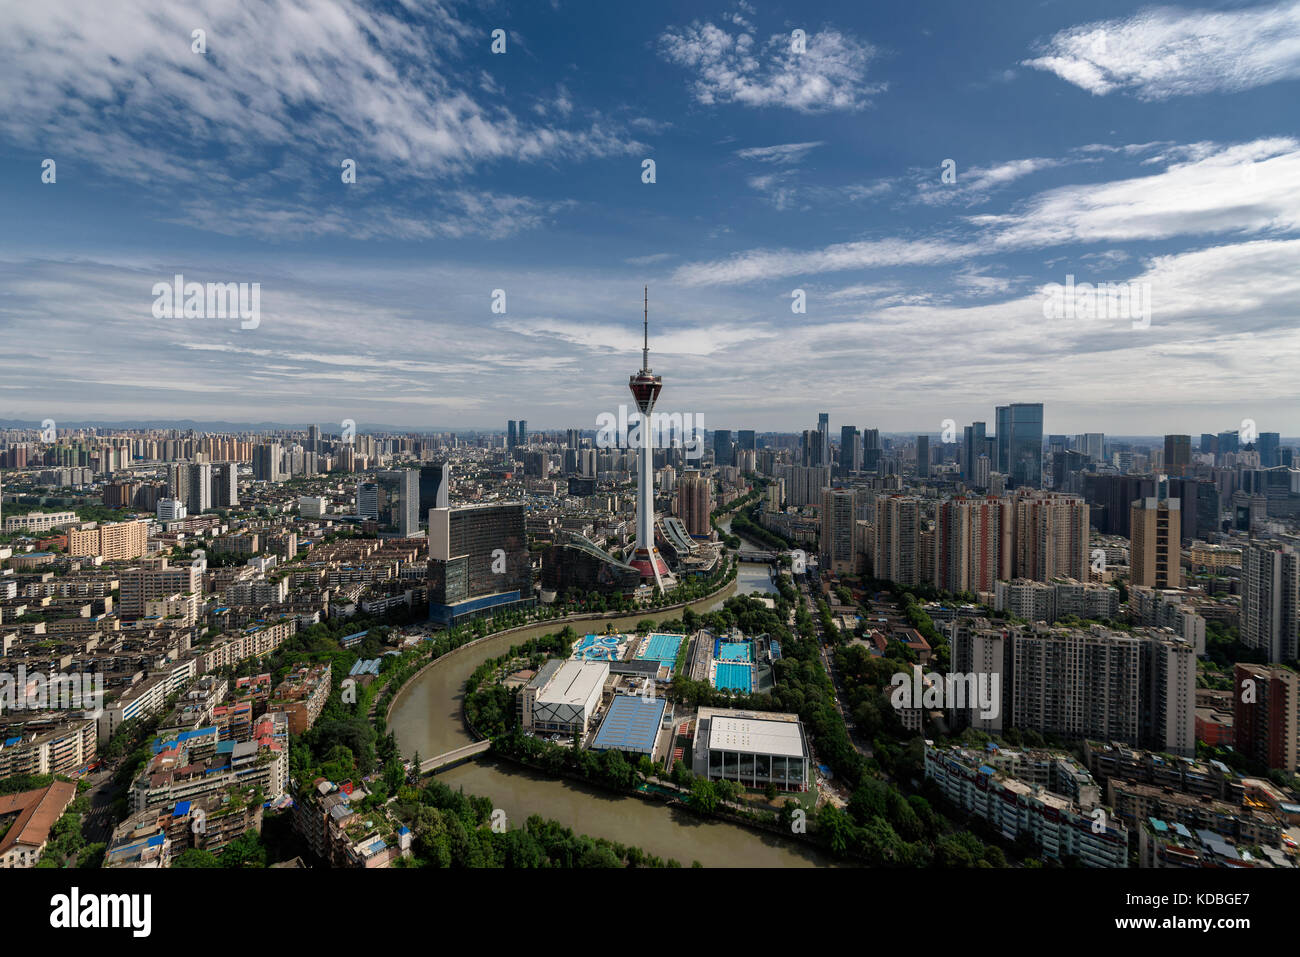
[
  {"x": 563, "y": 696},
  {"x": 632, "y": 724},
  {"x": 652, "y": 656},
  {"x": 752, "y": 748},
  {"x": 732, "y": 662},
  {"x": 606, "y": 693}
]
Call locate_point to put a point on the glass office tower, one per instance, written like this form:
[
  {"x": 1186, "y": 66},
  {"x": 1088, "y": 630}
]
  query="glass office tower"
[{"x": 1024, "y": 444}]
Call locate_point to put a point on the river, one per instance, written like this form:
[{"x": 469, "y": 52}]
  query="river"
[{"x": 427, "y": 718}]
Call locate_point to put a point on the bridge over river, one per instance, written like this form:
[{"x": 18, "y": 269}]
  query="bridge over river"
[{"x": 451, "y": 758}]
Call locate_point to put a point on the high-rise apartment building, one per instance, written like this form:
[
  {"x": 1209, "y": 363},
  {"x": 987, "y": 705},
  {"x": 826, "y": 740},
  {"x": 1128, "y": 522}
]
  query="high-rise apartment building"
[
  {"x": 156, "y": 580},
  {"x": 980, "y": 647},
  {"x": 897, "y": 550},
  {"x": 1168, "y": 700},
  {"x": 1270, "y": 599},
  {"x": 695, "y": 502},
  {"x": 267, "y": 464},
  {"x": 972, "y": 544},
  {"x": 1154, "y": 528},
  {"x": 225, "y": 484},
  {"x": 178, "y": 482},
  {"x": 198, "y": 498},
  {"x": 1051, "y": 536},
  {"x": 804, "y": 484},
  {"x": 1077, "y": 684},
  {"x": 839, "y": 541},
  {"x": 117, "y": 541},
  {"x": 1091, "y": 683},
  {"x": 1265, "y": 713}
]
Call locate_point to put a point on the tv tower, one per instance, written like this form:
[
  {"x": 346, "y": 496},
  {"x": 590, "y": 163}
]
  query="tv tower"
[{"x": 646, "y": 386}]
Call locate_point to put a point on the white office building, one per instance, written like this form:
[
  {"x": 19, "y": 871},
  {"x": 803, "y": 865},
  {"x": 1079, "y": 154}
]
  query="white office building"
[{"x": 170, "y": 509}]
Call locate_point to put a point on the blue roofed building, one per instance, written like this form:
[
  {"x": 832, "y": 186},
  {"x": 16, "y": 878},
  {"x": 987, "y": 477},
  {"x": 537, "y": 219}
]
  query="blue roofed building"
[{"x": 631, "y": 724}]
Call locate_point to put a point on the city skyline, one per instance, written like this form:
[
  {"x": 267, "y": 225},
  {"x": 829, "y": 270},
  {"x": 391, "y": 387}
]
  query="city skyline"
[
  {"x": 270, "y": 429},
  {"x": 923, "y": 261}
]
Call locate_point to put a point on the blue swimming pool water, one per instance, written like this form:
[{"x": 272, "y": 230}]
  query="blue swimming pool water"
[
  {"x": 662, "y": 647},
  {"x": 734, "y": 676},
  {"x": 735, "y": 651}
]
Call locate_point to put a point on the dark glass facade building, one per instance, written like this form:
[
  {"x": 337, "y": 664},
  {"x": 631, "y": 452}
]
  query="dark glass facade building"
[
  {"x": 478, "y": 561},
  {"x": 1023, "y": 444}
]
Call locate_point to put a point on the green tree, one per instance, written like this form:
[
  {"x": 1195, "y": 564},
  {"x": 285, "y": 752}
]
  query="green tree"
[{"x": 193, "y": 857}]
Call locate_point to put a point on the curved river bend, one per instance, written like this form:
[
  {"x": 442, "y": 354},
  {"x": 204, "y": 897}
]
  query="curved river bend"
[{"x": 427, "y": 718}]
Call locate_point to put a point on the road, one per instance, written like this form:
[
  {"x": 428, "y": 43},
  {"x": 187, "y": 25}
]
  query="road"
[
  {"x": 828, "y": 662},
  {"x": 97, "y": 826}
]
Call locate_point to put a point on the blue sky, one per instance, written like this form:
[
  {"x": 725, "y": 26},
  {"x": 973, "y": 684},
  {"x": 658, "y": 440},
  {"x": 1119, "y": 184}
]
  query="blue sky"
[{"x": 1110, "y": 142}]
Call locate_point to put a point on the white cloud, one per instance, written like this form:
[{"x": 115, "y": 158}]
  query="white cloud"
[
  {"x": 974, "y": 185},
  {"x": 975, "y": 283},
  {"x": 120, "y": 83},
  {"x": 1240, "y": 189},
  {"x": 776, "y": 188},
  {"x": 736, "y": 68},
  {"x": 1168, "y": 51},
  {"x": 890, "y": 347},
  {"x": 455, "y": 214},
  {"x": 785, "y": 154},
  {"x": 763, "y": 264}
]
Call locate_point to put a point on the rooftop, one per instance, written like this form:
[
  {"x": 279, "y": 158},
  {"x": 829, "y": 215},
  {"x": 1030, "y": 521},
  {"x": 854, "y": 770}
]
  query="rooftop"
[
  {"x": 574, "y": 682},
  {"x": 756, "y": 735},
  {"x": 37, "y": 811}
]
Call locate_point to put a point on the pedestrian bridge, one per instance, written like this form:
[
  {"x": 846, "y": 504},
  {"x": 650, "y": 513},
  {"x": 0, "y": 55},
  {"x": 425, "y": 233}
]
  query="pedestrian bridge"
[{"x": 450, "y": 758}]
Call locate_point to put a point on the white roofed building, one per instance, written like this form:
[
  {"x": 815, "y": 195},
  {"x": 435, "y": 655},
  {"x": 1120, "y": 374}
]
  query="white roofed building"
[
  {"x": 752, "y": 748},
  {"x": 563, "y": 696}
]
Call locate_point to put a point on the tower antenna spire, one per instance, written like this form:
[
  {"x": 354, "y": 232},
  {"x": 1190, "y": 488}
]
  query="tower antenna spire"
[{"x": 645, "y": 351}]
